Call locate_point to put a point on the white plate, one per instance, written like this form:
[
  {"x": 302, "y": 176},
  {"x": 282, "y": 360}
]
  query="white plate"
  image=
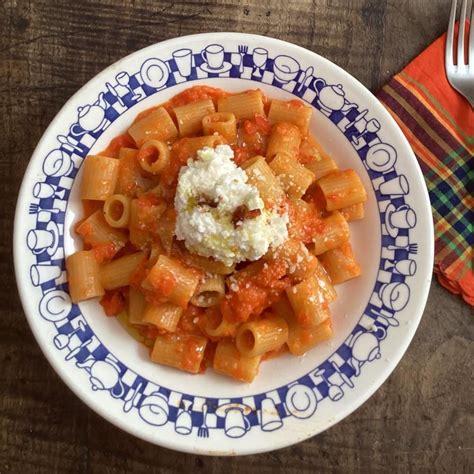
[{"x": 293, "y": 398}]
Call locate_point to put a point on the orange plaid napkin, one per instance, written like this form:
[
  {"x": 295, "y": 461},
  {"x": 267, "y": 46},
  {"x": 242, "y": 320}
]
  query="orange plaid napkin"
[{"x": 439, "y": 124}]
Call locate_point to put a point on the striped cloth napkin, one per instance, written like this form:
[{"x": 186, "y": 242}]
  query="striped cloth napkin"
[{"x": 439, "y": 124}]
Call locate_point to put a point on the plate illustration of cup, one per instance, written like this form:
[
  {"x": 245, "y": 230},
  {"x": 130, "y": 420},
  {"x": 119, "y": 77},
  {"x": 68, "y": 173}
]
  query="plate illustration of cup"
[
  {"x": 270, "y": 419},
  {"x": 236, "y": 423},
  {"x": 42, "y": 273},
  {"x": 285, "y": 68},
  {"x": 184, "y": 61},
  {"x": 213, "y": 57},
  {"x": 184, "y": 422},
  {"x": 397, "y": 186},
  {"x": 39, "y": 241},
  {"x": 403, "y": 217}
]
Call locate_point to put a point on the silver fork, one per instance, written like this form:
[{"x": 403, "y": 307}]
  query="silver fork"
[
  {"x": 460, "y": 75},
  {"x": 242, "y": 51}
]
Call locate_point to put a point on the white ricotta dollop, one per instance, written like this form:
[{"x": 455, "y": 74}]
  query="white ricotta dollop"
[{"x": 210, "y": 190}]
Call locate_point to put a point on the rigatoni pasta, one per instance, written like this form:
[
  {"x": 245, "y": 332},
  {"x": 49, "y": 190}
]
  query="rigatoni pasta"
[
  {"x": 157, "y": 125},
  {"x": 118, "y": 272},
  {"x": 262, "y": 177},
  {"x": 164, "y": 316},
  {"x": 342, "y": 188},
  {"x": 257, "y": 337},
  {"x": 285, "y": 138},
  {"x": 117, "y": 210},
  {"x": 340, "y": 263},
  {"x": 294, "y": 177},
  {"x": 196, "y": 309},
  {"x": 290, "y": 111},
  {"x": 334, "y": 232},
  {"x": 172, "y": 281},
  {"x": 99, "y": 177},
  {"x": 154, "y": 156},
  {"x": 84, "y": 277},
  {"x": 229, "y": 361},
  {"x": 210, "y": 291},
  {"x": 183, "y": 352},
  {"x": 243, "y": 106},
  {"x": 221, "y": 123},
  {"x": 189, "y": 116}
]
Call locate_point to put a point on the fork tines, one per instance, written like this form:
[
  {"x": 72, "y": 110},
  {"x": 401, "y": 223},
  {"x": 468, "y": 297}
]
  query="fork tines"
[
  {"x": 33, "y": 208},
  {"x": 460, "y": 72}
]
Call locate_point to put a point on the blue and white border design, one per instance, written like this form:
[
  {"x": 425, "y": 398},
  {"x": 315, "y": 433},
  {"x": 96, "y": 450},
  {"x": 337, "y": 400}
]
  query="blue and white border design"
[{"x": 158, "y": 405}]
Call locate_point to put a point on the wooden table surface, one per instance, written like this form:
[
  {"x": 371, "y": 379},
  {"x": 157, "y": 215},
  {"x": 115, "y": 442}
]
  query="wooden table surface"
[{"x": 420, "y": 420}]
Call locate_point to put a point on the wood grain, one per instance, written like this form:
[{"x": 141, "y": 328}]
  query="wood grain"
[{"x": 422, "y": 418}]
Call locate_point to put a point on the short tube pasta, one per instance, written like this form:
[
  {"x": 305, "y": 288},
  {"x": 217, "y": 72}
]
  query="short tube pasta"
[
  {"x": 96, "y": 232},
  {"x": 354, "y": 212},
  {"x": 215, "y": 326},
  {"x": 293, "y": 176},
  {"x": 285, "y": 138},
  {"x": 209, "y": 292},
  {"x": 165, "y": 316},
  {"x": 243, "y": 106},
  {"x": 301, "y": 339},
  {"x": 83, "y": 276},
  {"x": 206, "y": 264},
  {"x": 193, "y": 144},
  {"x": 154, "y": 156},
  {"x": 189, "y": 116},
  {"x": 342, "y": 188},
  {"x": 117, "y": 210},
  {"x": 312, "y": 155},
  {"x": 130, "y": 180},
  {"x": 99, "y": 177},
  {"x": 229, "y": 361},
  {"x": 183, "y": 352},
  {"x": 191, "y": 311},
  {"x": 144, "y": 217},
  {"x": 157, "y": 125},
  {"x": 324, "y": 282},
  {"x": 261, "y": 176},
  {"x": 172, "y": 281},
  {"x": 293, "y": 111},
  {"x": 117, "y": 273},
  {"x": 221, "y": 123},
  {"x": 301, "y": 263},
  {"x": 340, "y": 264},
  {"x": 136, "y": 306},
  {"x": 254, "y": 338},
  {"x": 308, "y": 302},
  {"x": 334, "y": 231}
]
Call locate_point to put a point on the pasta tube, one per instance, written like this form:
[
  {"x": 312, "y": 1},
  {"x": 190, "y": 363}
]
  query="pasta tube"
[
  {"x": 229, "y": 361},
  {"x": 157, "y": 125},
  {"x": 189, "y": 116},
  {"x": 99, "y": 177},
  {"x": 184, "y": 352},
  {"x": 342, "y": 188},
  {"x": 209, "y": 292},
  {"x": 254, "y": 338},
  {"x": 243, "y": 106},
  {"x": 83, "y": 276},
  {"x": 221, "y": 123}
]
